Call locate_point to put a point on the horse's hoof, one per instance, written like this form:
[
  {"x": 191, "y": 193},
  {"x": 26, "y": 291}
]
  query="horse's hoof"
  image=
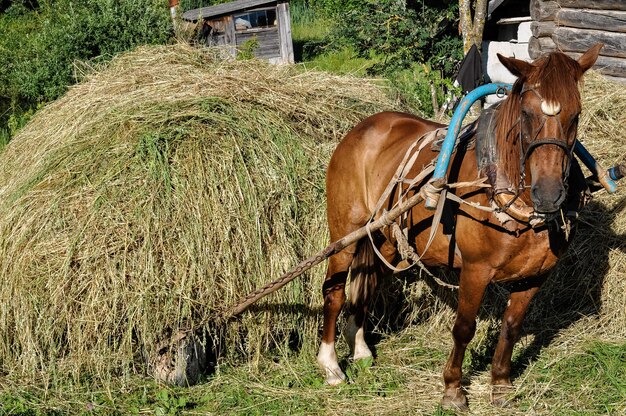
[
  {"x": 454, "y": 401},
  {"x": 356, "y": 341},
  {"x": 502, "y": 395},
  {"x": 334, "y": 378},
  {"x": 327, "y": 360},
  {"x": 365, "y": 355}
]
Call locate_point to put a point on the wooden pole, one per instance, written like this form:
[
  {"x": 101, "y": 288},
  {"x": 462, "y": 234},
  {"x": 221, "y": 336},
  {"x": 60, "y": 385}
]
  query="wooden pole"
[{"x": 322, "y": 255}]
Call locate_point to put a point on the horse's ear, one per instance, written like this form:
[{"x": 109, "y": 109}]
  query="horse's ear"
[
  {"x": 516, "y": 67},
  {"x": 589, "y": 58}
]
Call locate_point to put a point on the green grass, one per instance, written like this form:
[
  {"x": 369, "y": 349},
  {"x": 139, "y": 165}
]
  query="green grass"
[
  {"x": 405, "y": 377},
  {"x": 310, "y": 35},
  {"x": 342, "y": 62},
  {"x": 590, "y": 382},
  {"x": 5, "y": 137},
  {"x": 309, "y": 28}
]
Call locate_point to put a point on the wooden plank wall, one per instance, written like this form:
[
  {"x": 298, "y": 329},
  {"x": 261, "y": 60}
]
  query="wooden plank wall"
[
  {"x": 275, "y": 42},
  {"x": 269, "y": 42},
  {"x": 573, "y": 26}
]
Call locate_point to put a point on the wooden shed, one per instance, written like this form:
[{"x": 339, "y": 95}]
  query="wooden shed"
[
  {"x": 572, "y": 26},
  {"x": 235, "y": 23}
]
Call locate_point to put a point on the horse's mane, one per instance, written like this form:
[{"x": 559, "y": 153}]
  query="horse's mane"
[{"x": 555, "y": 77}]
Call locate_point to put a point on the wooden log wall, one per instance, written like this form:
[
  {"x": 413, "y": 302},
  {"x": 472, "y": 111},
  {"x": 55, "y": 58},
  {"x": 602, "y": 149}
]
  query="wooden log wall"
[{"x": 573, "y": 26}]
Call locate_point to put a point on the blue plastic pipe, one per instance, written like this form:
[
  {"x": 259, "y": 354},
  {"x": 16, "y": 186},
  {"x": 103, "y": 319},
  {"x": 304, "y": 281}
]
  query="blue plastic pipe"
[
  {"x": 616, "y": 172},
  {"x": 443, "y": 161},
  {"x": 604, "y": 177}
]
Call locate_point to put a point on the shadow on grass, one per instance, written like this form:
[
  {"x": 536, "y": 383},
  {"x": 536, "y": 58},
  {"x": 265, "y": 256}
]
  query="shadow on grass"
[
  {"x": 308, "y": 49},
  {"x": 572, "y": 291}
]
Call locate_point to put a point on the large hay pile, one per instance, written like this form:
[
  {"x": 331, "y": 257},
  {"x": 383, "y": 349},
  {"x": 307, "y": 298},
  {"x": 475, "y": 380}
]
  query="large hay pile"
[
  {"x": 169, "y": 184},
  {"x": 163, "y": 187}
]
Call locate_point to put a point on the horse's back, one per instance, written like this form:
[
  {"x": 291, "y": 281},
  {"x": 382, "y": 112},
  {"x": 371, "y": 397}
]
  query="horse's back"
[
  {"x": 382, "y": 130},
  {"x": 363, "y": 164}
]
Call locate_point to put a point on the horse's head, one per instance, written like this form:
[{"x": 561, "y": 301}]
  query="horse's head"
[{"x": 547, "y": 102}]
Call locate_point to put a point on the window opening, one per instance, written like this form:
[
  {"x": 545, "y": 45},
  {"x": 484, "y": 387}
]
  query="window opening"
[{"x": 256, "y": 19}]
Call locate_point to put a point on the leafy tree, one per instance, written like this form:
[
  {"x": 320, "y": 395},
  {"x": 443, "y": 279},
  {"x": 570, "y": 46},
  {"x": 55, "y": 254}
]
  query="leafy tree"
[
  {"x": 415, "y": 44},
  {"x": 40, "y": 42},
  {"x": 402, "y": 34}
]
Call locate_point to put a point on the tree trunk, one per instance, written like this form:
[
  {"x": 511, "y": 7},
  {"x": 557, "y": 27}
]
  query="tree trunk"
[{"x": 472, "y": 29}]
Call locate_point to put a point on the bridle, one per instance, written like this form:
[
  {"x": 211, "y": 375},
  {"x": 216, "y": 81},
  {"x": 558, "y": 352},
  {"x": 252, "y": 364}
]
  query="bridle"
[{"x": 534, "y": 144}]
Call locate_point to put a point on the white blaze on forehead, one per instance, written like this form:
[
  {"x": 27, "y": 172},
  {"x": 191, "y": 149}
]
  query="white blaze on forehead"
[{"x": 550, "y": 108}]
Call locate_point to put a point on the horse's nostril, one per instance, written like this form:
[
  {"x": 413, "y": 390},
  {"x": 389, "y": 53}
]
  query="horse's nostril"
[{"x": 547, "y": 199}]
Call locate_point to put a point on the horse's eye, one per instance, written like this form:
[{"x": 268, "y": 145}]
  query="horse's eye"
[{"x": 573, "y": 124}]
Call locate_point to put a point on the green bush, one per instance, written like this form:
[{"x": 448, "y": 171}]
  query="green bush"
[
  {"x": 39, "y": 46},
  {"x": 334, "y": 8},
  {"x": 402, "y": 34}
]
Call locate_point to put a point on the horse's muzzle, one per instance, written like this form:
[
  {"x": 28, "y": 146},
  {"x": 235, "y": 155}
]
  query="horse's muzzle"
[{"x": 547, "y": 195}]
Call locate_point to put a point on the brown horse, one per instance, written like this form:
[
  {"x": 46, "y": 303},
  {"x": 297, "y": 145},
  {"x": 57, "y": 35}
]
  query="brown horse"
[{"x": 535, "y": 131}]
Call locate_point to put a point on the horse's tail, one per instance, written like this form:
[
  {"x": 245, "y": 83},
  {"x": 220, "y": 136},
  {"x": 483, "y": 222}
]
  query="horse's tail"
[{"x": 363, "y": 275}]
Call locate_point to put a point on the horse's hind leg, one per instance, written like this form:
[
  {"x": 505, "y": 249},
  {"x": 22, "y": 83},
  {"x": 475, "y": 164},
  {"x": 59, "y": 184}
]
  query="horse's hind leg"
[
  {"x": 363, "y": 281},
  {"x": 511, "y": 327},
  {"x": 334, "y": 298}
]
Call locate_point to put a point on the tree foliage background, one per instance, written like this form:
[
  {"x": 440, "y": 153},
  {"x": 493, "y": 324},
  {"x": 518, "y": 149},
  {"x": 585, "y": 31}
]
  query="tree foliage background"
[
  {"x": 403, "y": 33},
  {"x": 41, "y": 40}
]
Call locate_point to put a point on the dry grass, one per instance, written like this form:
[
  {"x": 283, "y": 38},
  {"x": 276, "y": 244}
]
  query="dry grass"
[
  {"x": 168, "y": 184},
  {"x": 164, "y": 186}
]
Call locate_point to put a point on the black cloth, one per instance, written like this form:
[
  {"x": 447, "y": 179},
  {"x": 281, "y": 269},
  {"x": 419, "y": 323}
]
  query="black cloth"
[{"x": 470, "y": 73}]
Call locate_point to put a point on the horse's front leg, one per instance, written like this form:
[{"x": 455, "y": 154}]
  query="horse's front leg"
[
  {"x": 472, "y": 286},
  {"x": 511, "y": 327}
]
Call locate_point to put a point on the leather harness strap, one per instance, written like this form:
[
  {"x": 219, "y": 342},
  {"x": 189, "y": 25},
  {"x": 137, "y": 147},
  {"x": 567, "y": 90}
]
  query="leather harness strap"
[{"x": 398, "y": 180}]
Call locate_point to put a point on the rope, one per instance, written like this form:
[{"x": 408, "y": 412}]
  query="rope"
[
  {"x": 385, "y": 219},
  {"x": 436, "y": 190},
  {"x": 273, "y": 286},
  {"x": 408, "y": 253}
]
